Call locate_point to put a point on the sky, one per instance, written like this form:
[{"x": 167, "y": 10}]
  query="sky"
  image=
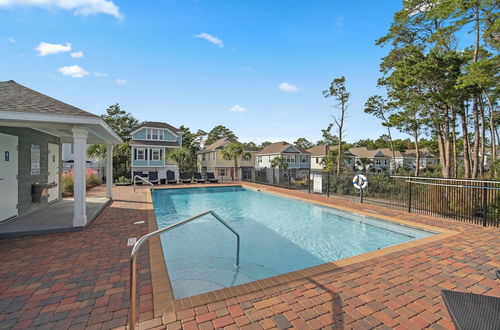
[{"x": 257, "y": 67}]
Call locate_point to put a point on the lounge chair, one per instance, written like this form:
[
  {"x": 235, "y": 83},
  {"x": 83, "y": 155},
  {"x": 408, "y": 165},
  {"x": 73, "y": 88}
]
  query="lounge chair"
[
  {"x": 153, "y": 177},
  {"x": 472, "y": 311},
  {"x": 198, "y": 178},
  {"x": 171, "y": 177},
  {"x": 185, "y": 178},
  {"x": 211, "y": 177}
]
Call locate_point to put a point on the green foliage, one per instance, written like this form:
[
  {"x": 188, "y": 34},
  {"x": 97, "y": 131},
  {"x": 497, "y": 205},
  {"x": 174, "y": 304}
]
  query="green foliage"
[
  {"x": 122, "y": 123},
  {"x": 303, "y": 143},
  {"x": 219, "y": 132},
  {"x": 123, "y": 179},
  {"x": 233, "y": 151},
  {"x": 250, "y": 146},
  {"x": 183, "y": 157},
  {"x": 279, "y": 162},
  {"x": 266, "y": 143},
  {"x": 192, "y": 142}
]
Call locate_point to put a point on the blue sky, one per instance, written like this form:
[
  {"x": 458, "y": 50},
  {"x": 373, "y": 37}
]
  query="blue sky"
[{"x": 203, "y": 63}]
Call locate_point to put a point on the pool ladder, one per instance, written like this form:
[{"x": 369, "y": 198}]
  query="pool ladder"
[
  {"x": 143, "y": 180},
  {"x": 143, "y": 239}
]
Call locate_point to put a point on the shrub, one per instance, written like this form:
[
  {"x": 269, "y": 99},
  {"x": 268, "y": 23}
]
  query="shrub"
[{"x": 68, "y": 182}]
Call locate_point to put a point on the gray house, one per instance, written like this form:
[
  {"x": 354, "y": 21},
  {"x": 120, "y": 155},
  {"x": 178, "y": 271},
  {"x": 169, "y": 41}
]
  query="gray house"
[{"x": 32, "y": 128}]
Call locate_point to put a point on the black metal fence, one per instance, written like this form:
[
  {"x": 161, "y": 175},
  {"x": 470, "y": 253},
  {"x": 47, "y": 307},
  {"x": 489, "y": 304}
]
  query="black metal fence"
[{"x": 475, "y": 201}]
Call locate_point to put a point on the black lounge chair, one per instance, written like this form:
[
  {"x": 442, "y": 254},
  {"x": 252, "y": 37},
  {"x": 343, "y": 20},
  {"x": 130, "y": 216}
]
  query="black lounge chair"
[
  {"x": 153, "y": 177},
  {"x": 185, "y": 178},
  {"x": 211, "y": 177},
  {"x": 171, "y": 177},
  {"x": 198, "y": 178},
  {"x": 472, "y": 311}
]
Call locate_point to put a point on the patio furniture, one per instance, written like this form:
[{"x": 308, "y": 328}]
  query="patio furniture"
[
  {"x": 153, "y": 177},
  {"x": 472, "y": 311},
  {"x": 171, "y": 177},
  {"x": 185, "y": 178},
  {"x": 198, "y": 178},
  {"x": 211, "y": 177}
]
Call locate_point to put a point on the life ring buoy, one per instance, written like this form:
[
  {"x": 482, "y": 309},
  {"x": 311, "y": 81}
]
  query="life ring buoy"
[{"x": 360, "y": 181}]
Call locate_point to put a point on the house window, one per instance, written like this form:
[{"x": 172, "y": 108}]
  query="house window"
[
  {"x": 222, "y": 172},
  {"x": 349, "y": 160},
  {"x": 154, "y": 134},
  {"x": 203, "y": 157},
  {"x": 72, "y": 148},
  {"x": 378, "y": 161},
  {"x": 385, "y": 161},
  {"x": 213, "y": 155},
  {"x": 141, "y": 152},
  {"x": 290, "y": 158},
  {"x": 259, "y": 159},
  {"x": 156, "y": 154},
  {"x": 247, "y": 158},
  {"x": 303, "y": 159},
  {"x": 317, "y": 160}
]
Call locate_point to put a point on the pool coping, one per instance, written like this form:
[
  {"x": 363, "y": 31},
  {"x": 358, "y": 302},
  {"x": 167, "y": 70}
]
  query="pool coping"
[{"x": 164, "y": 301}]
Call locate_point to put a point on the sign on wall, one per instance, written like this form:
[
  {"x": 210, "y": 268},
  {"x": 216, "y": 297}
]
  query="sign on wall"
[{"x": 35, "y": 159}]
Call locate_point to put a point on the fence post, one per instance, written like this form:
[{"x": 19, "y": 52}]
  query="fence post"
[
  {"x": 361, "y": 194},
  {"x": 327, "y": 184},
  {"x": 485, "y": 205},
  {"x": 409, "y": 196},
  {"x": 288, "y": 177},
  {"x": 309, "y": 182}
]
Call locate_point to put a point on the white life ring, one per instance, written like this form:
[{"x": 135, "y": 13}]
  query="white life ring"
[{"x": 360, "y": 181}]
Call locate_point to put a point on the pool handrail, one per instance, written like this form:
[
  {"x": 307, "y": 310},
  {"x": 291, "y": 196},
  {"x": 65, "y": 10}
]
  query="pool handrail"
[
  {"x": 143, "y": 180},
  {"x": 138, "y": 244}
]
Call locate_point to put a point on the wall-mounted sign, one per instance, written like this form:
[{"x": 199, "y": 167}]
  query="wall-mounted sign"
[
  {"x": 7, "y": 156},
  {"x": 35, "y": 159}
]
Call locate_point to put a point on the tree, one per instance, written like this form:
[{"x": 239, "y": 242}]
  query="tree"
[
  {"x": 279, "y": 162},
  {"x": 250, "y": 146},
  {"x": 182, "y": 157},
  {"x": 303, "y": 143},
  {"x": 233, "y": 151},
  {"x": 193, "y": 143},
  {"x": 122, "y": 123},
  {"x": 263, "y": 145},
  {"x": 379, "y": 107},
  {"x": 338, "y": 91},
  {"x": 365, "y": 163},
  {"x": 220, "y": 132}
]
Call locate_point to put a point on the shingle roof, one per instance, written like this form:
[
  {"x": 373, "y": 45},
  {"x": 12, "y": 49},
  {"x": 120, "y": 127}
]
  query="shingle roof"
[
  {"x": 219, "y": 144},
  {"x": 424, "y": 153},
  {"x": 18, "y": 98},
  {"x": 278, "y": 147},
  {"x": 156, "y": 124}
]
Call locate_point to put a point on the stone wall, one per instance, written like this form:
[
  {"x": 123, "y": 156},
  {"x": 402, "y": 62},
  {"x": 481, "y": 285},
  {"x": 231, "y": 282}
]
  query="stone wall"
[{"x": 27, "y": 137}]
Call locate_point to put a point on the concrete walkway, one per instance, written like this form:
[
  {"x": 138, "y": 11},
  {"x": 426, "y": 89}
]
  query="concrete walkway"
[{"x": 53, "y": 218}]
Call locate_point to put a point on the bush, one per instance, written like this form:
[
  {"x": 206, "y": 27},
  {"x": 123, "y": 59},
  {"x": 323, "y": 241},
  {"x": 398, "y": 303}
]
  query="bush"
[{"x": 68, "y": 182}]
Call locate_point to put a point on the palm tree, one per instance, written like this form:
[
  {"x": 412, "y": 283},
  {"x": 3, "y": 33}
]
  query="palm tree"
[
  {"x": 233, "y": 151},
  {"x": 280, "y": 163},
  {"x": 182, "y": 157}
]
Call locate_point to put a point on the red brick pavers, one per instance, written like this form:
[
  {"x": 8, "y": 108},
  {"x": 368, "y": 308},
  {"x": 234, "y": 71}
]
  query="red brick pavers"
[
  {"x": 76, "y": 280},
  {"x": 81, "y": 279},
  {"x": 400, "y": 291}
]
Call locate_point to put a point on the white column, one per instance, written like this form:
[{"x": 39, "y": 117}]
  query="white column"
[
  {"x": 80, "y": 148},
  {"x": 109, "y": 170}
]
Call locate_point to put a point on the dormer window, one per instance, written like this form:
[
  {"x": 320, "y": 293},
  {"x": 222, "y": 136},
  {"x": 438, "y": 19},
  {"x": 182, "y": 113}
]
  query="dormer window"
[{"x": 154, "y": 134}]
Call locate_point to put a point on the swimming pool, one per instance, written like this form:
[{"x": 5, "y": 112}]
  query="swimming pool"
[{"x": 278, "y": 235}]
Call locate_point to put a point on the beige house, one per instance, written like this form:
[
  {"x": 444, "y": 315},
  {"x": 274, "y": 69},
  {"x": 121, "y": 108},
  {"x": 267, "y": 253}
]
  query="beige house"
[
  {"x": 319, "y": 152},
  {"x": 210, "y": 160},
  {"x": 294, "y": 157}
]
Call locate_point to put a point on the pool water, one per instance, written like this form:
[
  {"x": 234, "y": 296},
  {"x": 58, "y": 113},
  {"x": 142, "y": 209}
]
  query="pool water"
[{"x": 278, "y": 235}]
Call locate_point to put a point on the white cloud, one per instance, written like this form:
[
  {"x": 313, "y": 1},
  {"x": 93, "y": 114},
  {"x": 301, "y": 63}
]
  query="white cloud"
[
  {"x": 210, "y": 38},
  {"x": 78, "y": 7},
  {"x": 290, "y": 88},
  {"x": 45, "y": 48},
  {"x": 100, "y": 74},
  {"x": 78, "y": 54},
  {"x": 11, "y": 40},
  {"x": 74, "y": 71},
  {"x": 237, "y": 108},
  {"x": 121, "y": 81}
]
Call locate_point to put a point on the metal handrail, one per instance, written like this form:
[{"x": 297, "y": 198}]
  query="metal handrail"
[
  {"x": 143, "y": 180},
  {"x": 138, "y": 244}
]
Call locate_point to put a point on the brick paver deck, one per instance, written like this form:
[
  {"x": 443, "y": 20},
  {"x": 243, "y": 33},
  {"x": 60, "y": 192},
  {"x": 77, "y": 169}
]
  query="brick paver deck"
[{"x": 81, "y": 280}]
